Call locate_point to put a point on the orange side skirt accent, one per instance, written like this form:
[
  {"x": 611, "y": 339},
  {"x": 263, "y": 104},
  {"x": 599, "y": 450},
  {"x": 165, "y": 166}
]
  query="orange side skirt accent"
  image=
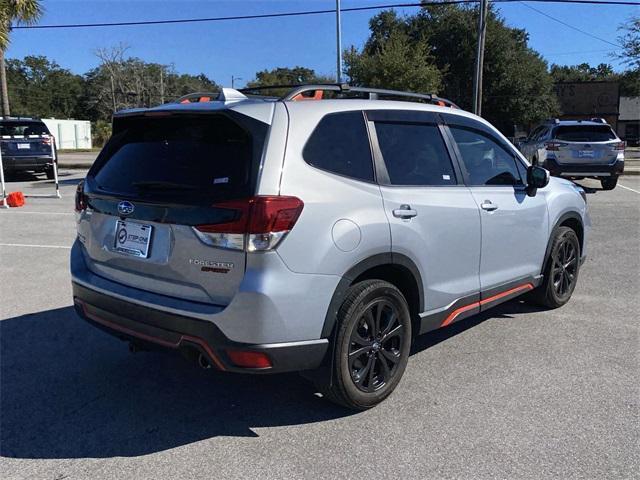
[{"x": 453, "y": 315}]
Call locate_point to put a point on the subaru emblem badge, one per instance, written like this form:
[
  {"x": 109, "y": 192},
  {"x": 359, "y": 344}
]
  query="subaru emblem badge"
[{"x": 125, "y": 208}]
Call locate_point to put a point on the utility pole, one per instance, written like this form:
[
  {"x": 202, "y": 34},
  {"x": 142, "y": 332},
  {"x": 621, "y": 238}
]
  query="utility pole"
[
  {"x": 161, "y": 86},
  {"x": 477, "y": 77},
  {"x": 233, "y": 80},
  {"x": 338, "y": 44}
]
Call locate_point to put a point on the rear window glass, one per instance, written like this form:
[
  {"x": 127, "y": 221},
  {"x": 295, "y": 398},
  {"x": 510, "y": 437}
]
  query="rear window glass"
[
  {"x": 23, "y": 128},
  {"x": 584, "y": 133},
  {"x": 179, "y": 158},
  {"x": 340, "y": 144}
]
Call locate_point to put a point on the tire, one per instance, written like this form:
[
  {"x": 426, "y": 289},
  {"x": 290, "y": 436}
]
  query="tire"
[
  {"x": 49, "y": 173},
  {"x": 366, "y": 368},
  {"x": 609, "y": 183},
  {"x": 561, "y": 270}
]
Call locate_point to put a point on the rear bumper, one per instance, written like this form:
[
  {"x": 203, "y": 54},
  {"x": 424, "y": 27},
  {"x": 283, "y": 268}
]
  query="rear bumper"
[
  {"x": 133, "y": 322},
  {"x": 26, "y": 163},
  {"x": 584, "y": 170}
]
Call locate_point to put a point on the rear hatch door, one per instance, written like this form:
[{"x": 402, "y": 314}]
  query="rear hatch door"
[
  {"x": 24, "y": 139},
  {"x": 155, "y": 180},
  {"x": 585, "y": 144}
]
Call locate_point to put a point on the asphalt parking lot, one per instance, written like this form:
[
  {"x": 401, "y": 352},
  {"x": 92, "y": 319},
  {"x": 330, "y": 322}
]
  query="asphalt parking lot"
[{"x": 514, "y": 393}]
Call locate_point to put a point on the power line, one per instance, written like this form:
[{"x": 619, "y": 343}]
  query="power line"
[
  {"x": 571, "y": 26},
  {"x": 306, "y": 13}
]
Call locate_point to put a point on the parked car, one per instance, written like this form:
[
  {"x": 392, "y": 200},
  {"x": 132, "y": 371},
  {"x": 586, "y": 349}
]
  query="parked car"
[
  {"x": 27, "y": 145},
  {"x": 577, "y": 149},
  {"x": 264, "y": 235}
]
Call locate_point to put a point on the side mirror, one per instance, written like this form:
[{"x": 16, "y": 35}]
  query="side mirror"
[{"x": 537, "y": 177}]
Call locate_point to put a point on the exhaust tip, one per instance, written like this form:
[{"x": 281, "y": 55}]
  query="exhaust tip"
[{"x": 203, "y": 362}]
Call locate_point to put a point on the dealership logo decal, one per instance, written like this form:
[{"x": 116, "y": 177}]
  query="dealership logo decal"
[
  {"x": 122, "y": 235},
  {"x": 125, "y": 208}
]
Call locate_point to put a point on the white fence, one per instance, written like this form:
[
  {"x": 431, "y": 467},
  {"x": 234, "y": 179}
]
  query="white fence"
[{"x": 70, "y": 134}]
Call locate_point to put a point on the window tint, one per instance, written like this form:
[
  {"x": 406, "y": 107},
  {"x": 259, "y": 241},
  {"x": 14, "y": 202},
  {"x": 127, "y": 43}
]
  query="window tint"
[
  {"x": 183, "y": 159},
  {"x": 23, "y": 128},
  {"x": 340, "y": 145},
  {"x": 485, "y": 160},
  {"x": 585, "y": 133},
  {"x": 415, "y": 154}
]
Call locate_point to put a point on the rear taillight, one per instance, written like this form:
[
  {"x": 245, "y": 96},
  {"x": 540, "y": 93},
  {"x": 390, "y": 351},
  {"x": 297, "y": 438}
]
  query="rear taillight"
[
  {"x": 47, "y": 141},
  {"x": 81, "y": 198},
  {"x": 619, "y": 146},
  {"x": 259, "y": 223},
  {"x": 552, "y": 146}
]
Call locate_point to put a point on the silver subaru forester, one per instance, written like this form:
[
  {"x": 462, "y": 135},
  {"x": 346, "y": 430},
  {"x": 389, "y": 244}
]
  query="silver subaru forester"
[{"x": 319, "y": 231}]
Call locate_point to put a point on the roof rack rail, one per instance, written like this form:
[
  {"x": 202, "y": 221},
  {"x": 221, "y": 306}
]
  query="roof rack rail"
[
  {"x": 297, "y": 92},
  {"x": 18, "y": 117}
]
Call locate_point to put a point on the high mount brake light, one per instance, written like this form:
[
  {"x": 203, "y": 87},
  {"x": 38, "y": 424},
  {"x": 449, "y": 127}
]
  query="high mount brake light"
[{"x": 259, "y": 223}]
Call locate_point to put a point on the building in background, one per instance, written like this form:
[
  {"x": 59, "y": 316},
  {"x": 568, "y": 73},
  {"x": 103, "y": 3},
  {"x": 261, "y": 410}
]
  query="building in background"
[
  {"x": 70, "y": 134},
  {"x": 586, "y": 100},
  {"x": 629, "y": 120}
]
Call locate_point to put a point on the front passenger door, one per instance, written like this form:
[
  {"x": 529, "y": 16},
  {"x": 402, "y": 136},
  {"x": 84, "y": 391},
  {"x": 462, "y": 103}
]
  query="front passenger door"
[{"x": 514, "y": 225}]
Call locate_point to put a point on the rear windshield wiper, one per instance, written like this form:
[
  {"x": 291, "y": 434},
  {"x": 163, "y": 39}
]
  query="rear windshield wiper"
[{"x": 160, "y": 185}]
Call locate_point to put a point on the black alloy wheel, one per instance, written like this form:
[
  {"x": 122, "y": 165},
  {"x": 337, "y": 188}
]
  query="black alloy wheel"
[
  {"x": 565, "y": 268},
  {"x": 375, "y": 346}
]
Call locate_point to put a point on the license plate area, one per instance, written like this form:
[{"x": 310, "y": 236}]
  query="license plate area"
[
  {"x": 586, "y": 154},
  {"x": 132, "y": 239},
  {"x": 24, "y": 146}
]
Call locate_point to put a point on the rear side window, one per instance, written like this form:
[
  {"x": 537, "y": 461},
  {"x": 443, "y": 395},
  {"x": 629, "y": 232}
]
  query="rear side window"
[
  {"x": 584, "y": 133},
  {"x": 414, "y": 154},
  {"x": 180, "y": 158},
  {"x": 486, "y": 161},
  {"x": 340, "y": 144}
]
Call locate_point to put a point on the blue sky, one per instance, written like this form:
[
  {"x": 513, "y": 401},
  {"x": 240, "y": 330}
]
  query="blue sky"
[{"x": 240, "y": 48}]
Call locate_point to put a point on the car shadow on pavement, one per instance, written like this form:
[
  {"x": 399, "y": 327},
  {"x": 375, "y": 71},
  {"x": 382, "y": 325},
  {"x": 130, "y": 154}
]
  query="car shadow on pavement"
[{"x": 68, "y": 390}]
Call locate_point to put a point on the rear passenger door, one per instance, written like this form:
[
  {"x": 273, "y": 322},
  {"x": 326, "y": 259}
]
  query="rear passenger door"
[
  {"x": 433, "y": 217},
  {"x": 514, "y": 225}
]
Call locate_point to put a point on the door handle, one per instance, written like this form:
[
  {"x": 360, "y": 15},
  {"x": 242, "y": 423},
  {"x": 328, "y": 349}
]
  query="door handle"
[
  {"x": 488, "y": 206},
  {"x": 405, "y": 211}
]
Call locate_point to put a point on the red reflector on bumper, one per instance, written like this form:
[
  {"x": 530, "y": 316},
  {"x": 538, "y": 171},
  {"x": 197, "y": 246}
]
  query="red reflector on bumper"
[{"x": 246, "y": 359}]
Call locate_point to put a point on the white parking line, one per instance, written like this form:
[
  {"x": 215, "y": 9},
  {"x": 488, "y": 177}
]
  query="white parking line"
[
  {"x": 33, "y": 246},
  {"x": 627, "y": 188}
]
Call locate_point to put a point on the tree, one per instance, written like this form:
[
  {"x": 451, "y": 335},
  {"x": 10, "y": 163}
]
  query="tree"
[
  {"x": 126, "y": 82},
  {"x": 40, "y": 87},
  {"x": 630, "y": 42},
  {"x": 19, "y": 11},
  {"x": 442, "y": 38},
  {"x": 394, "y": 63},
  {"x": 582, "y": 73},
  {"x": 287, "y": 76}
]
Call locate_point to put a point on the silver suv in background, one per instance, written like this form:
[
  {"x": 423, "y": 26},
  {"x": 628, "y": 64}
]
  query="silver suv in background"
[
  {"x": 321, "y": 231},
  {"x": 577, "y": 149}
]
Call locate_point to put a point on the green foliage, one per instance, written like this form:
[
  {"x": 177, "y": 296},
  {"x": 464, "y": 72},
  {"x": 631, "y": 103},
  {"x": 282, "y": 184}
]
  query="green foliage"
[
  {"x": 394, "y": 63},
  {"x": 582, "y": 73},
  {"x": 100, "y": 132},
  {"x": 629, "y": 80},
  {"x": 40, "y": 87},
  {"x": 435, "y": 50},
  {"x": 287, "y": 76}
]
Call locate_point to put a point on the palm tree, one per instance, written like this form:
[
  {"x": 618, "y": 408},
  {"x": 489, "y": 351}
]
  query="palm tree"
[{"x": 13, "y": 11}]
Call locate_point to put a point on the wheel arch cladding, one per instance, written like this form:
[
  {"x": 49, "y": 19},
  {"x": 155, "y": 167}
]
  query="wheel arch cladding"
[
  {"x": 568, "y": 219},
  {"x": 396, "y": 269}
]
